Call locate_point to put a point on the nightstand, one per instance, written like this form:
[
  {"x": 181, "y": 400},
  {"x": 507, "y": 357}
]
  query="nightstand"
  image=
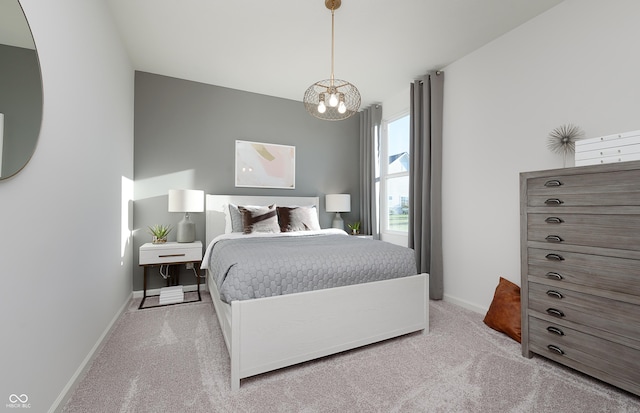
[
  {"x": 170, "y": 253},
  {"x": 362, "y": 236}
]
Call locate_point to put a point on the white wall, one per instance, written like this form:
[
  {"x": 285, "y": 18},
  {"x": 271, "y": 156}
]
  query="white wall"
[
  {"x": 576, "y": 63},
  {"x": 65, "y": 264}
]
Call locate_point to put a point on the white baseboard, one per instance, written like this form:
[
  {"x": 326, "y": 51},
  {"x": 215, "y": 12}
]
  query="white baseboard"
[
  {"x": 185, "y": 288},
  {"x": 464, "y": 304},
  {"x": 66, "y": 392}
]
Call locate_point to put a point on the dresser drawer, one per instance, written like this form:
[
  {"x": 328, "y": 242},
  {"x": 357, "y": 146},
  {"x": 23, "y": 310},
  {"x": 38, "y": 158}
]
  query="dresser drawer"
[
  {"x": 618, "y": 188},
  {"x": 606, "y": 273},
  {"x": 600, "y": 313},
  {"x": 606, "y": 231},
  {"x": 559, "y": 201},
  {"x": 560, "y": 342}
]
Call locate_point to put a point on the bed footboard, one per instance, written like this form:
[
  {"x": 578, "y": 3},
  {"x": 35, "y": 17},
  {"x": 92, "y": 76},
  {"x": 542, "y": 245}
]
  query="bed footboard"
[{"x": 271, "y": 333}]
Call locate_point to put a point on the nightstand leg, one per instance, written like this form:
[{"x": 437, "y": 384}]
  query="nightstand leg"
[
  {"x": 144, "y": 286},
  {"x": 198, "y": 283}
]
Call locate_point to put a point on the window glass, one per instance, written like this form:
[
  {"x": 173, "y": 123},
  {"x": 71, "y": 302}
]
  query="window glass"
[
  {"x": 377, "y": 155},
  {"x": 398, "y": 146},
  {"x": 398, "y": 203},
  {"x": 394, "y": 177}
]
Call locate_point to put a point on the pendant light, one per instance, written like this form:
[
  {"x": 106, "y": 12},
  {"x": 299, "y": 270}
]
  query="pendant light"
[{"x": 332, "y": 99}]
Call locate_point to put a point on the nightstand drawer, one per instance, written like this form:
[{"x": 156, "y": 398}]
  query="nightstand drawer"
[{"x": 170, "y": 252}]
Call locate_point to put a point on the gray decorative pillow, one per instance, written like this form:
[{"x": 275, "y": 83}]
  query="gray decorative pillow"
[
  {"x": 236, "y": 218},
  {"x": 259, "y": 219},
  {"x": 304, "y": 218}
]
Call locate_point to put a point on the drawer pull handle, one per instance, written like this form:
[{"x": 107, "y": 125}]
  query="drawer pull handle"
[
  {"x": 556, "y": 349},
  {"x": 554, "y": 294},
  {"x": 553, "y": 238},
  {"x": 554, "y": 220},
  {"x": 554, "y": 275},
  {"x": 554, "y": 257},
  {"x": 555, "y": 312},
  {"x": 553, "y": 201},
  {"x": 555, "y": 330},
  {"x": 553, "y": 182},
  {"x": 171, "y": 255}
]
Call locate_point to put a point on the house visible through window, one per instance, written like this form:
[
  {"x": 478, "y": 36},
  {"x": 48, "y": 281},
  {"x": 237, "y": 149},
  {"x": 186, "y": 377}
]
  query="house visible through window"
[{"x": 394, "y": 176}]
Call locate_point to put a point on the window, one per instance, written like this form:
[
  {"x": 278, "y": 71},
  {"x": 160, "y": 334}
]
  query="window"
[{"x": 394, "y": 176}]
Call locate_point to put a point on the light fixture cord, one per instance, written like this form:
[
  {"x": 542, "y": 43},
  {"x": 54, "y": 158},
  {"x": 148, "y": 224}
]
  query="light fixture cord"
[{"x": 332, "y": 42}]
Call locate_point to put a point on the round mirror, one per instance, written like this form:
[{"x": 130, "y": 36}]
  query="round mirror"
[{"x": 20, "y": 90}]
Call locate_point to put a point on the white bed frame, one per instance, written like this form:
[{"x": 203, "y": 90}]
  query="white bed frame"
[{"x": 266, "y": 334}]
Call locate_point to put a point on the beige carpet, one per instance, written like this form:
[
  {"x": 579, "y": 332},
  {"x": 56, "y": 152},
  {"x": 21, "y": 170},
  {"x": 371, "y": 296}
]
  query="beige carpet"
[{"x": 173, "y": 359}]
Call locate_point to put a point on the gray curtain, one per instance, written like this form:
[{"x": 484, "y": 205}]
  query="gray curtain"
[
  {"x": 370, "y": 120},
  {"x": 425, "y": 178}
]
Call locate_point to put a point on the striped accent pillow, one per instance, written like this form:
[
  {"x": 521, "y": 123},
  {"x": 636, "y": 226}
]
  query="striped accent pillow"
[
  {"x": 259, "y": 219},
  {"x": 298, "y": 218}
]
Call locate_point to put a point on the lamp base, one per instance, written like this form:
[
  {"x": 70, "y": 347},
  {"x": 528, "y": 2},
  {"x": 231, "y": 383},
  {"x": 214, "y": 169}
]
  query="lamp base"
[
  {"x": 338, "y": 222},
  {"x": 186, "y": 230}
]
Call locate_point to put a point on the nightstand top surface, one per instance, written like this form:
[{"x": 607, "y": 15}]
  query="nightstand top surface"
[{"x": 171, "y": 245}]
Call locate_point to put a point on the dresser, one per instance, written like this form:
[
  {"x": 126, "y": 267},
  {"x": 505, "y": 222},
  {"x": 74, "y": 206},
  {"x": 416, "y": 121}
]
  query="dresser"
[{"x": 580, "y": 249}]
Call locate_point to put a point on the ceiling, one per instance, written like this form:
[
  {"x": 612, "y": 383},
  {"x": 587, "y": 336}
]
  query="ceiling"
[{"x": 280, "y": 48}]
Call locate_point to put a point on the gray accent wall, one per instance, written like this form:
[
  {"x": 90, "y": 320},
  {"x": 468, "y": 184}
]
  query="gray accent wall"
[{"x": 185, "y": 135}]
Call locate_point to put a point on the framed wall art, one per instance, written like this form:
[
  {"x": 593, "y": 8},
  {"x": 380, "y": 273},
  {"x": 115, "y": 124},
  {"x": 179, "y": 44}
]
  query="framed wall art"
[{"x": 265, "y": 165}]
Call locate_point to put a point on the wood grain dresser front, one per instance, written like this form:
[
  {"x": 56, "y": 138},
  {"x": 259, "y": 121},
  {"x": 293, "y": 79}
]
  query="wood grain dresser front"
[{"x": 580, "y": 248}]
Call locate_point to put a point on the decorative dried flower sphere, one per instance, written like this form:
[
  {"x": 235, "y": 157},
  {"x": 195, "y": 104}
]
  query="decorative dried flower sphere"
[{"x": 563, "y": 139}]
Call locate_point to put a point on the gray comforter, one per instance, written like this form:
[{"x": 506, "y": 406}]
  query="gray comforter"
[{"x": 263, "y": 267}]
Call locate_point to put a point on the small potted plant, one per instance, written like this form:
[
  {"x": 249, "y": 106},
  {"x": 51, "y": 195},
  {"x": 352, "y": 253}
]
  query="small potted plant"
[
  {"x": 355, "y": 228},
  {"x": 159, "y": 232}
]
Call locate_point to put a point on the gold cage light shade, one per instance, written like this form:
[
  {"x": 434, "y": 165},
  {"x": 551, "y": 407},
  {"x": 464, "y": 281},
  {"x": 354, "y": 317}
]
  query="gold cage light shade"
[
  {"x": 332, "y": 99},
  {"x": 346, "y": 93}
]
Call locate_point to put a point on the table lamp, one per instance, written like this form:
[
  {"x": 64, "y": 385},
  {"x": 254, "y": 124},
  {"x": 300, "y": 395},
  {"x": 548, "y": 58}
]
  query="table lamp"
[
  {"x": 338, "y": 203},
  {"x": 186, "y": 200}
]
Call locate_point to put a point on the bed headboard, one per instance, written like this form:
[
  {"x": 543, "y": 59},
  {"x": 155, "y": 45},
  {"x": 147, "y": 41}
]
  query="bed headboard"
[{"x": 216, "y": 223}]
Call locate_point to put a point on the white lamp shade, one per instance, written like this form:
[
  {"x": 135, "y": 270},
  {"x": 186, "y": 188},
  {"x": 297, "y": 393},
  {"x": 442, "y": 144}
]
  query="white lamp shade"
[
  {"x": 338, "y": 203},
  {"x": 186, "y": 200}
]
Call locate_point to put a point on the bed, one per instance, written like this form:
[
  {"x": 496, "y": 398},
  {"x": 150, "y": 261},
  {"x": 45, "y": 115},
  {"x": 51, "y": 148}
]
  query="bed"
[{"x": 272, "y": 332}]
